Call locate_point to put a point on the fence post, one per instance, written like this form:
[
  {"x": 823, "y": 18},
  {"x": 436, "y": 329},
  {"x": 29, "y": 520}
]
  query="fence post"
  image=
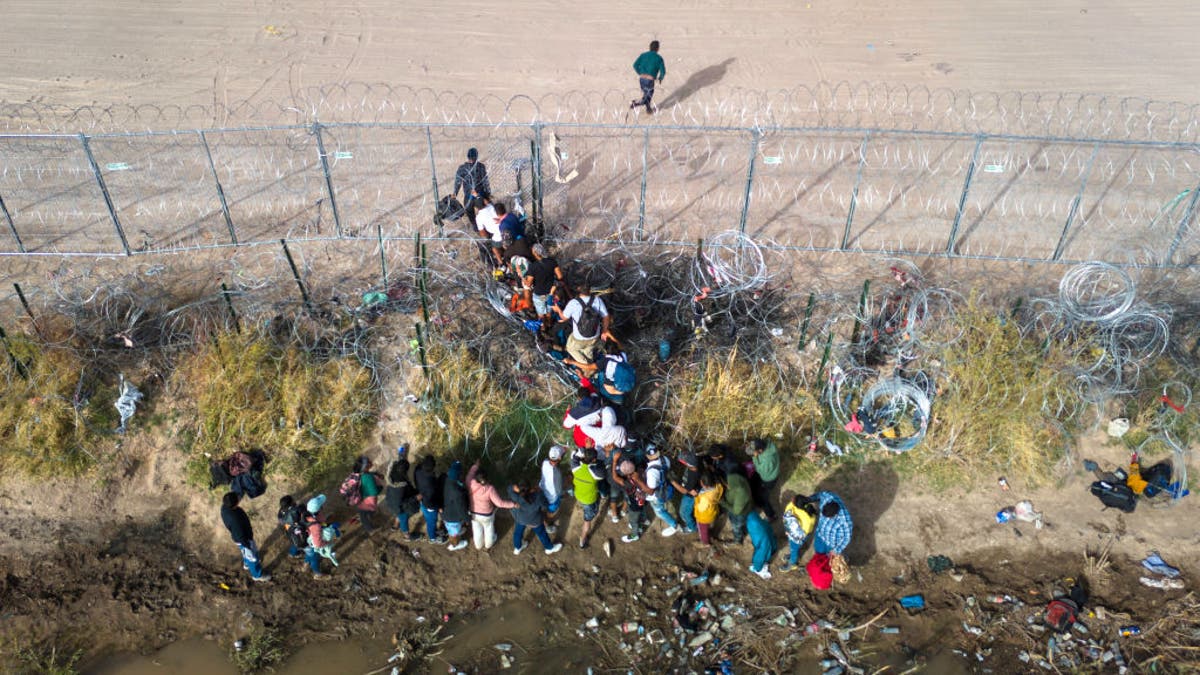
[
  {"x": 296, "y": 276},
  {"x": 225, "y": 293},
  {"x": 962, "y": 198},
  {"x": 220, "y": 190},
  {"x": 12, "y": 228},
  {"x": 437, "y": 216},
  {"x": 25, "y": 304},
  {"x": 1087, "y": 172},
  {"x": 539, "y": 216},
  {"x": 337, "y": 221},
  {"x": 645, "y": 171},
  {"x": 1183, "y": 223},
  {"x": 862, "y": 159},
  {"x": 382, "y": 254},
  {"x": 756, "y": 137},
  {"x": 112, "y": 212}
]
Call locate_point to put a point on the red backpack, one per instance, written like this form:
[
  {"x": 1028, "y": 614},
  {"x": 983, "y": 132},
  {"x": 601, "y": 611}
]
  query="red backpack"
[
  {"x": 1061, "y": 614},
  {"x": 351, "y": 489}
]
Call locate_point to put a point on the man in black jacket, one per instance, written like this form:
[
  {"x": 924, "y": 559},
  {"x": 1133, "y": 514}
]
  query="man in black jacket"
[
  {"x": 240, "y": 530},
  {"x": 472, "y": 178},
  {"x": 429, "y": 494}
]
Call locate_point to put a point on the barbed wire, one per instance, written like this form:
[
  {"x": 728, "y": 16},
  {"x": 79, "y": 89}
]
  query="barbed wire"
[{"x": 824, "y": 104}]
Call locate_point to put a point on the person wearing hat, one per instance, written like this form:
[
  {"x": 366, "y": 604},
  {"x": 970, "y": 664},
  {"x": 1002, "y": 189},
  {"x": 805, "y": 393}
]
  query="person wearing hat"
[
  {"x": 688, "y": 487},
  {"x": 551, "y": 485},
  {"x": 587, "y": 476},
  {"x": 472, "y": 178},
  {"x": 242, "y": 533},
  {"x": 659, "y": 489},
  {"x": 315, "y": 524}
]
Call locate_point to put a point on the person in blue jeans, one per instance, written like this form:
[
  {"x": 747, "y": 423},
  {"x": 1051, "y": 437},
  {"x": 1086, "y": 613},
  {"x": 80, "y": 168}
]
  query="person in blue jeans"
[
  {"x": 688, "y": 487},
  {"x": 429, "y": 493},
  {"x": 314, "y": 525},
  {"x": 799, "y": 519},
  {"x": 530, "y": 514},
  {"x": 649, "y": 67},
  {"x": 242, "y": 533},
  {"x": 658, "y": 489}
]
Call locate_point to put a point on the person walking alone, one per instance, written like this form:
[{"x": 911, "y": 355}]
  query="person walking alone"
[
  {"x": 242, "y": 533},
  {"x": 472, "y": 178},
  {"x": 649, "y": 66}
]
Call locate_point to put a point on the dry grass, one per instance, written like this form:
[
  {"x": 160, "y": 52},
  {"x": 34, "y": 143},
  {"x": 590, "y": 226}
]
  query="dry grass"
[
  {"x": 310, "y": 416},
  {"x": 55, "y": 417},
  {"x": 1007, "y": 406},
  {"x": 728, "y": 400},
  {"x": 466, "y": 411}
]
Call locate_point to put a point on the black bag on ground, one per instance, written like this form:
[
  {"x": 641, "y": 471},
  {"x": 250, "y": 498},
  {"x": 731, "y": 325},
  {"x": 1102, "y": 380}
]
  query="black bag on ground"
[
  {"x": 450, "y": 208},
  {"x": 1115, "y": 495}
]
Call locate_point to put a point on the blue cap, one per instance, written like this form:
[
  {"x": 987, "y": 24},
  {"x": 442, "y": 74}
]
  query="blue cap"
[{"x": 401, "y": 451}]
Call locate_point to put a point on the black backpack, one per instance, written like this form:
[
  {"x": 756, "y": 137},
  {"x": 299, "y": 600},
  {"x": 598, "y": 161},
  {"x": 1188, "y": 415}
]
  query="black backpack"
[
  {"x": 296, "y": 525},
  {"x": 590, "y": 321},
  {"x": 1115, "y": 495}
]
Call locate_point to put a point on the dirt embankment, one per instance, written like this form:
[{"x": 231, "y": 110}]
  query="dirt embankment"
[{"x": 77, "y": 572}]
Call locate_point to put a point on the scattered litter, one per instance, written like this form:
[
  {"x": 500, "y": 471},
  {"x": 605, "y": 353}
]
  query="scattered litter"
[
  {"x": 913, "y": 603},
  {"x": 1164, "y": 584},
  {"x": 1118, "y": 427},
  {"x": 127, "y": 402},
  {"x": 939, "y": 563},
  {"x": 1156, "y": 564},
  {"x": 504, "y": 647}
]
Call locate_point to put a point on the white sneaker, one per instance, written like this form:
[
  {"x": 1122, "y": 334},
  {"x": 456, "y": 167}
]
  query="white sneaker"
[
  {"x": 554, "y": 549},
  {"x": 763, "y": 573},
  {"x": 517, "y": 551},
  {"x": 670, "y": 532},
  {"x": 614, "y": 517},
  {"x": 459, "y": 546},
  {"x": 630, "y": 538}
]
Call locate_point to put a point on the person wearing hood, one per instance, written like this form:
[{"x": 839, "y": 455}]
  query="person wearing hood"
[
  {"x": 400, "y": 496},
  {"x": 484, "y": 502},
  {"x": 429, "y": 494},
  {"x": 455, "y": 507},
  {"x": 315, "y": 524},
  {"x": 763, "y": 540},
  {"x": 529, "y": 513}
]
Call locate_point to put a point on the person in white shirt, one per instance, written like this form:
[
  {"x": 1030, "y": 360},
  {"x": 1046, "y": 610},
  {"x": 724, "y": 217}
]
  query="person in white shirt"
[
  {"x": 487, "y": 221},
  {"x": 601, "y": 427},
  {"x": 659, "y": 483},
  {"x": 552, "y": 484},
  {"x": 586, "y": 331}
]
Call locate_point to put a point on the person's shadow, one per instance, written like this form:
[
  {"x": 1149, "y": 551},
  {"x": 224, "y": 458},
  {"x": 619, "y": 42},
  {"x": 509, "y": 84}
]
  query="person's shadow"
[
  {"x": 697, "y": 81},
  {"x": 868, "y": 492}
]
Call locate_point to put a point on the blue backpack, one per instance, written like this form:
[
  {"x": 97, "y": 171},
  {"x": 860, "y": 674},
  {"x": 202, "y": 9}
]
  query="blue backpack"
[{"x": 624, "y": 376}]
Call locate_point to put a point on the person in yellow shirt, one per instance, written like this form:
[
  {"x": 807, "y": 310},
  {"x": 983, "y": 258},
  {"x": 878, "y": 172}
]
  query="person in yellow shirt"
[
  {"x": 708, "y": 505},
  {"x": 799, "y": 519}
]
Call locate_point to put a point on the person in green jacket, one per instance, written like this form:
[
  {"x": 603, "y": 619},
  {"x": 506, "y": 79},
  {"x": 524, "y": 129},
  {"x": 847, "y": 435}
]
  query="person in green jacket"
[
  {"x": 649, "y": 67},
  {"x": 369, "y": 491},
  {"x": 765, "y": 456},
  {"x": 737, "y": 504}
]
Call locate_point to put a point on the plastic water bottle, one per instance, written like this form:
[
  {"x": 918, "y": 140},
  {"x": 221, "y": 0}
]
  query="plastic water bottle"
[{"x": 664, "y": 349}]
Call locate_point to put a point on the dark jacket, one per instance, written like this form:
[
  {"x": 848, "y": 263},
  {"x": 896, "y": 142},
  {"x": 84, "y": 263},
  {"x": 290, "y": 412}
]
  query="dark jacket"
[
  {"x": 400, "y": 497},
  {"x": 472, "y": 176},
  {"x": 529, "y": 509},
  {"x": 238, "y": 524},
  {"x": 428, "y": 486},
  {"x": 455, "y": 506}
]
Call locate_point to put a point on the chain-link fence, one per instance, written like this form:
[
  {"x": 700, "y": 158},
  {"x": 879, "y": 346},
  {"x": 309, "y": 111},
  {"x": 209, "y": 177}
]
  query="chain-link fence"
[{"x": 912, "y": 192}]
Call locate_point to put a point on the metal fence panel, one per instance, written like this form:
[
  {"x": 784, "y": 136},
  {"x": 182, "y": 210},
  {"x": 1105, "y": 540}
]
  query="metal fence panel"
[
  {"x": 381, "y": 177},
  {"x": 695, "y": 183},
  {"x": 504, "y": 150},
  {"x": 50, "y": 191},
  {"x": 803, "y": 186},
  {"x": 911, "y": 186},
  {"x": 274, "y": 183},
  {"x": 163, "y": 190},
  {"x": 1133, "y": 204},
  {"x": 603, "y": 197}
]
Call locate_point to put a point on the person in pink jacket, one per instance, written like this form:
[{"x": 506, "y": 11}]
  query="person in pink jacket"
[{"x": 484, "y": 502}]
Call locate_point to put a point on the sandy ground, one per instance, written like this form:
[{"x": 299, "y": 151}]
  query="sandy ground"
[{"x": 180, "y": 52}]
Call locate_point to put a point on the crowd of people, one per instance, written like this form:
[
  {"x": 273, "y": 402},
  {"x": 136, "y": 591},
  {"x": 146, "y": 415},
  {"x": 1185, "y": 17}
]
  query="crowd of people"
[{"x": 605, "y": 467}]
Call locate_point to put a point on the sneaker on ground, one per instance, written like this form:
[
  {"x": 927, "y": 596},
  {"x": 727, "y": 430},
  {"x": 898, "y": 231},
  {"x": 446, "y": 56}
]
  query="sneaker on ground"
[
  {"x": 689, "y": 530},
  {"x": 439, "y": 541},
  {"x": 582, "y": 543},
  {"x": 670, "y": 531},
  {"x": 320, "y": 576},
  {"x": 550, "y": 529},
  {"x": 614, "y": 517},
  {"x": 630, "y": 538},
  {"x": 788, "y": 567},
  {"x": 517, "y": 551},
  {"x": 554, "y": 549},
  {"x": 265, "y": 577},
  {"x": 764, "y": 573},
  {"x": 459, "y": 546}
]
